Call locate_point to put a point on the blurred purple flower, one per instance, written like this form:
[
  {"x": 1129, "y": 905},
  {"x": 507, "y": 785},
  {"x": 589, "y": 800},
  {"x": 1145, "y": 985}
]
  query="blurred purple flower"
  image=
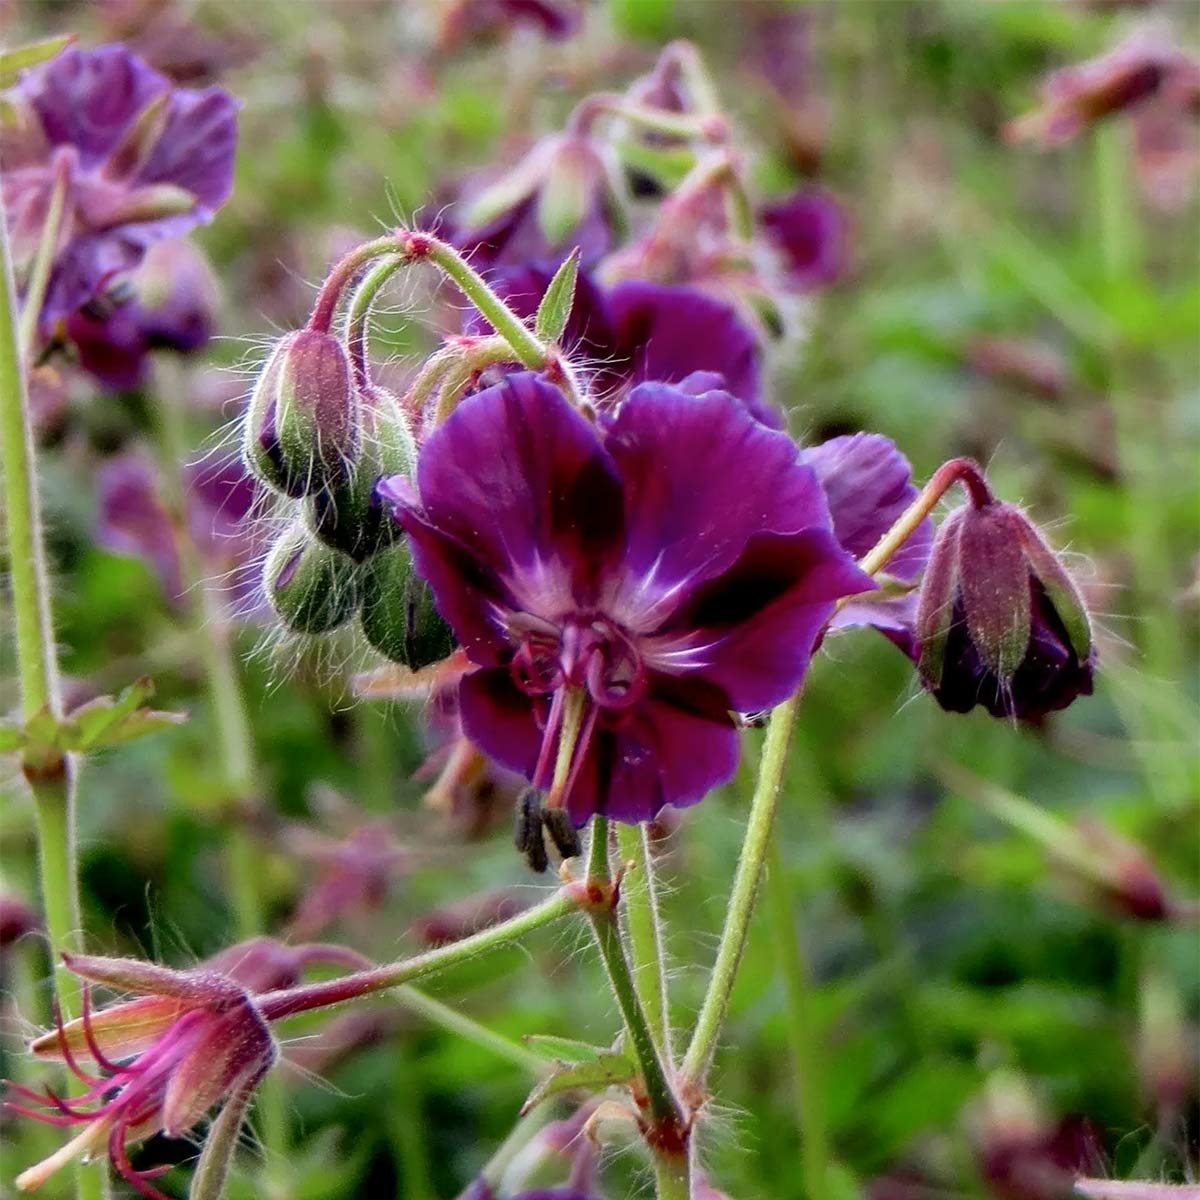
[
  {"x": 632, "y": 587},
  {"x": 353, "y": 874},
  {"x": 265, "y": 964},
  {"x": 868, "y": 484},
  {"x": 637, "y": 332},
  {"x": 469, "y": 20},
  {"x": 174, "y": 297},
  {"x": 565, "y": 193},
  {"x": 1145, "y": 66},
  {"x": 140, "y": 161},
  {"x": 811, "y": 234},
  {"x": 221, "y": 501}
]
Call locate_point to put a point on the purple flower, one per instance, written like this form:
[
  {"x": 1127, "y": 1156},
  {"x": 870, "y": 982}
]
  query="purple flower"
[
  {"x": 565, "y": 193},
  {"x": 1000, "y": 622},
  {"x": 638, "y": 332},
  {"x": 468, "y": 20},
  {"x": 810, "y": 232},
  {"x": 221, "y": 500},
  {"x": 139, "y": 159},
  {"x": 171, "y": 307},
  {"x": 868, "y": 484},
  {"x": 192, "y": 1039},
  {"x": 621, "y": 591}
]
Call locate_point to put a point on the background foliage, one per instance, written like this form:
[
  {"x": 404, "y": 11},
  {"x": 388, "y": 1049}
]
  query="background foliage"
[{"x": 947, "y": 956}]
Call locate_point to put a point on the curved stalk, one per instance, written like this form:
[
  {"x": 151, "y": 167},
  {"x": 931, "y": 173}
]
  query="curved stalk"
[{"x": 640, "y": 894}]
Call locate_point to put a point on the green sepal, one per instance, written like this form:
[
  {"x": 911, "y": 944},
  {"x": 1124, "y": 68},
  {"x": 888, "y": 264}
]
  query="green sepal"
[
  {"x": 20, "y": 58},
  {"x": 608, "y": 1070},
  {"x": 555, "y": 309},
  {"x": 312, "y": 588}
]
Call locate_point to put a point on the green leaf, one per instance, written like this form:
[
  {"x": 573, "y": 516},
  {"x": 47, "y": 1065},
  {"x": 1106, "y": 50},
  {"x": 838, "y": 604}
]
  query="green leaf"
[
  {"x": 13, "y": 62},
  {"x": 564, "y": 1050},
  {"x": 12, "y": 737},
  {"x": 90, "y": 723},
  {"x": 555, "y": 308},
  {"x": 608, "y": 1069}
]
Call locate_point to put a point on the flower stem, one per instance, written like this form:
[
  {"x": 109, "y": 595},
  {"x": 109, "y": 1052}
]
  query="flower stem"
[
  {"x": 470, "y": 1030},
  {"x": 274, "y": 1006},
  {"x": 503, "y": 320},
  {"x": 53, "y": 782},
  {"x": 640, "y": 894},
  {"x": 803, "y": 1034},
  {"x": 359, "y": 313},
  {"x": 343, "y": 273},
  {"x": 699, "y": 1056},
  {"x": 667, "y": 1132}
]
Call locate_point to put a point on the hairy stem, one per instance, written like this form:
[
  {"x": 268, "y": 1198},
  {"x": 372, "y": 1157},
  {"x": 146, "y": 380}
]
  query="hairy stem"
[
  {"x": 666, "y": 1130},
  {"x": 358, "y": 315},
  {"x": 39, "y": 276},
  {"x": 52, "y": 782},
  {"x": 276, "y": 1005},
  {"x": 699, "y": 1056},
  {"x": 640, "y": 894}
]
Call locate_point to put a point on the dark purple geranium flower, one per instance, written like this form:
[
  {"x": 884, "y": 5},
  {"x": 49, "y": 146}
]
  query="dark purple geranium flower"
[
  {"x": 622, "y": 591},
  {"x": 637, "y": 332},
  {"x": 868, "y": 484},
  {"x": 221, "y": 500},
  {"x": 171, "y": 307},
  {"x": 809, "y": 230},
  {"x": 467, "y": 20},
  {"x": 140, "y": 161}
]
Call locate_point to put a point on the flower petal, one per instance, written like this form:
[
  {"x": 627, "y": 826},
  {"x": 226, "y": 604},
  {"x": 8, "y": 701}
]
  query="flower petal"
[
  {"x": 752, "y": 630},
  {"x": 702, "y": 476},
  {"x": 519, "y": 477},
  {"x": 674, "y": 747},
  {"x": 500, "y": 719}
]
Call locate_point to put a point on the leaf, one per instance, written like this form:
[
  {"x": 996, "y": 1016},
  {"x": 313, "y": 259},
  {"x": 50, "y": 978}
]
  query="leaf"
[
  {"x": 607, "y": 1070},
  {"x": 13, "y": 62},
  {"x": 564, "y": 1050},
  {"x": 12, "y": 737},
  {"x": 555, "y": 308},
  {"x": 108, "y": 722}
]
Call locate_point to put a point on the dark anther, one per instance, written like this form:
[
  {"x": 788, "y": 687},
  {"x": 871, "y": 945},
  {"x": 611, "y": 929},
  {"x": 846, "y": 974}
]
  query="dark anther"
[
  {"x": 562, "y": 832},
  {"x": 528, "y": 819}
]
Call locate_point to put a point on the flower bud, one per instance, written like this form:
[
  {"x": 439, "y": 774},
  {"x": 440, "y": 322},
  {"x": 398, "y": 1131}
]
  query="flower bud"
[
  {"x": 1000, "y": 622},
  {"x": 347, "y": 515},
  {"x": 312, "y": 588},
  {"x": 302, "y": 424},
  {"x": 398, "y": 615}
]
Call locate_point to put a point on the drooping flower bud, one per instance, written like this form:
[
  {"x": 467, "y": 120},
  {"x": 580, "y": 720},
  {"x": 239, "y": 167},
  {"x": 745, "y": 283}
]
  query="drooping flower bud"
[
  {"x": 302, "y": 425},
  {"x": 1000, "y": 622},
  {"x": 398, "y": 614},
  {"x": 312, "y": 588},
  {"x": 190, "y": 1040},
  {"x": 347, "y": 515}
]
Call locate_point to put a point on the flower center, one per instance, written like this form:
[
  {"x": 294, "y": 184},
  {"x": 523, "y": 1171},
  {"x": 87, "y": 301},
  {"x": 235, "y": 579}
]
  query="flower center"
[{"x": 590, "y": 670}]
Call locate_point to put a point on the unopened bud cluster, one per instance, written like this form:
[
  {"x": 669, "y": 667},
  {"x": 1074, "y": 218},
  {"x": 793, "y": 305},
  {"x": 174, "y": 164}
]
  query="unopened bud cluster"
[{"x": 323, "y": 439}]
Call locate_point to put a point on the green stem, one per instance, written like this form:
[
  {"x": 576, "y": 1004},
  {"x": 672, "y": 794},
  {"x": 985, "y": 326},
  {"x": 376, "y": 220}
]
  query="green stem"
[
  {"x": 529, "y": 351},
  {"x": 52, "y": 783},
  {"x": 234, "y": 742},
  {"x": 804, "y": 1035},
  {"x": 640, "y": 895},
  {"x": 275, "y": 1006},
  {"x": 470, "y": 1030},
  {"x": 358, "y": 315},
  {"x": 699, "y": 1056},
  {"x": 667, "y": 1133},
  {"x": 407, "y": 1126}
]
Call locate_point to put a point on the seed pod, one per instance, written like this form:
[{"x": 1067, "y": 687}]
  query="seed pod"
[
  {"x": 302, "y": 425},
  {"x": 347, "y": 515},
  {"x": 312, "y": 588},
  {"x": 398, "y": 615}
]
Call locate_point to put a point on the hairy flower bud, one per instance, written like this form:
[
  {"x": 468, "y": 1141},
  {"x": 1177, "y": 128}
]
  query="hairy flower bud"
[
  {"x": 347, "y": 515},
  {"x": 312, "y": 588},
  {"x": 398, "y": 615},
  {"x": 1000, "y": 622},
  {"x": 302, "y": 429}
]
